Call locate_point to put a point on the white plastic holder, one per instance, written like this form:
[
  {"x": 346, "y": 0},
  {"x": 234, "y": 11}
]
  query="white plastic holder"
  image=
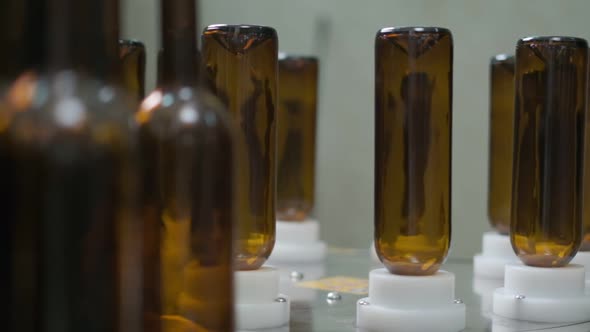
[
  {"x": 546, "y": 295},
  {"x": 485, "y": 288},
  {"x": 298, "y": 242},
  {"x": 583, "y": 258},
  {"x": 258, "y": 302},
  {"x": 496, "y": 253},
  {"x": 410, "y": 303}
]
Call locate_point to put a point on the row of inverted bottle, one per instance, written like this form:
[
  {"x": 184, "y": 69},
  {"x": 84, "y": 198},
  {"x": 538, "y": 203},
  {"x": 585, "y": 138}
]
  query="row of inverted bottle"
[{"x": 412, "y": 153}]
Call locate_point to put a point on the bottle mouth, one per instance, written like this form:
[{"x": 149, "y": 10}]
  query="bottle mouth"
[
  {"x": 240, "y": 38},
  {"x": 414, "y": 30},
  {"x": 259, "y": 30},
  {"x": 131, "y": 42},
  {"x": 554, "y": 41},
  {"x": 283, "y": 56},
  {"x": 502, "y": 58}
]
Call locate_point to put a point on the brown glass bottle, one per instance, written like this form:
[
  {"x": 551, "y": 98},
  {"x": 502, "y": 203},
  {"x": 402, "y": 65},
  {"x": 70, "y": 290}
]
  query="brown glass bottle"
[
  {"x": 585, "y": 246},
  {"x": 187, "y": 153},
  {"x": 132, "y": 56},
  {"x": 550, "y": 81},
  {"x": 21, "y": 35},
  {"x": 296, "y": 135},
  {"x": 70, "y": 158},
  {"x": 501, "y": 134},
  {"x": 162, "y": 74},
  {"x": 241, "y": 68},
  {"x": 22, "y": 23},
  {"x": 413, "y": 118},
  {"x": 71, "y": 162}
]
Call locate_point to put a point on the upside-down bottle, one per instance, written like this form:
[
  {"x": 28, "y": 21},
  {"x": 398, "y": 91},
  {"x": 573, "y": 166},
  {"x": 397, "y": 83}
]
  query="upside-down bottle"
[
  {"x": 501, "y": 135},
  {"x": 550, "y": 80},
  {"x": 296, "y": 136},
  {"x": 132, "y": 56},
  {"x": 413, "y": 118},
  {"x": 241, "y": 68}
]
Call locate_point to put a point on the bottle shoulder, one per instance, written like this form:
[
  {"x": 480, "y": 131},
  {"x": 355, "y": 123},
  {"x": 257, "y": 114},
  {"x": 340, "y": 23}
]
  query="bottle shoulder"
[
  {"x": 183, "y": 109},
  {"x": 66, "y": 103}
]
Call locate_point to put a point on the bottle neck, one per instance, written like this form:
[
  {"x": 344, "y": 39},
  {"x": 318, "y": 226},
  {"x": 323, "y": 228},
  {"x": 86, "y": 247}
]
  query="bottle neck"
[
  {"x": 83, "y": 36},
  {"x": 179, "y": 41},
  {"x": 22, "y": 23}
]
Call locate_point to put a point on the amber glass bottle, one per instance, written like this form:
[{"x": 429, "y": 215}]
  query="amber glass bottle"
[
  {"x": 585, "y": 246},
  {"x": 296, "y": 136},
  {"x": 22, "y": 23},
  {"x": 413, "y": 116},
  {"x": 132, "y": 56},
  {"x": 69, "y": 158},
  {"x": 241, "y": 68},
  {"x": 187, "y": 151},
  {"x": 162, "y": 74},
  {"x": 501, "y": 134},
  {"x": 550, "y": 81}
]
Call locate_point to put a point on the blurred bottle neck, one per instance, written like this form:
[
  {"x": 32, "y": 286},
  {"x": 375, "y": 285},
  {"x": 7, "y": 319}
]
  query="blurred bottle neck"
[
  {"x": 83, "y": 36},
  {"x": 22, "y": 26},
  {"x": 179, "y": 41}
]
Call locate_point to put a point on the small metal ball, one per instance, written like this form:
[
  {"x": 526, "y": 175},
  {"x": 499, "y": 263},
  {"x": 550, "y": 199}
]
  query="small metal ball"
[
  {"x": 296, "y": 276},
  {"x": 520, "y": 297},
  {"x": 281, "y": 299},
  {"x": 334, "y": 296}
]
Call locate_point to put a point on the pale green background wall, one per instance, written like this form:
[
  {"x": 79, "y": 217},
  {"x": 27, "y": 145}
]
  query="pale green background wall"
[{"x": 341, "y": 33}]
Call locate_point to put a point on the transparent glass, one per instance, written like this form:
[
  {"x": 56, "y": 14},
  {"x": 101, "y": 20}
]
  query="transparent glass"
[
  {"x": 241, "y": 68},
  {"x": 501, "y": 136},
  {"x": 296, "y": 136},
  {"x": 550, "y": 81},
  {"x": 413, "y": 118}
]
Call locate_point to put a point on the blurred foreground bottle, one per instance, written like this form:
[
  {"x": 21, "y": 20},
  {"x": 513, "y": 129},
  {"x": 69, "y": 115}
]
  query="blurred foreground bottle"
[
  {"x": 187, "y": 154},
  {"x": 21, "y": 22},
  {"x": 68, "y": 162},
  {"x": 163, "y": 73}
]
